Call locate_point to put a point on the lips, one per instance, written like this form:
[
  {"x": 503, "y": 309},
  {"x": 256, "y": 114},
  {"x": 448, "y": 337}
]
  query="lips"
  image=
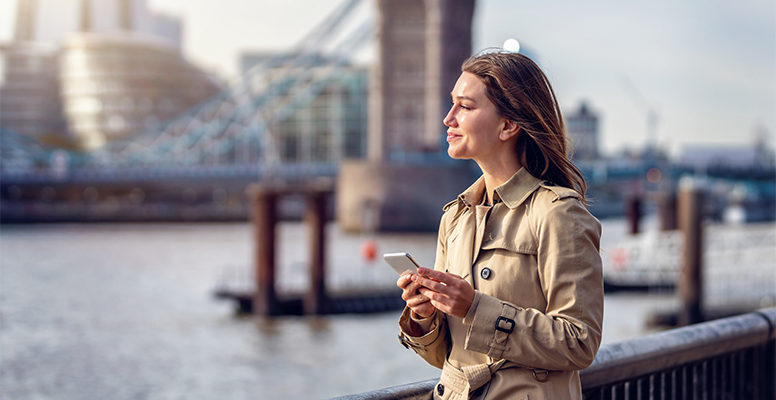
[{"x": 452, "y": 136}]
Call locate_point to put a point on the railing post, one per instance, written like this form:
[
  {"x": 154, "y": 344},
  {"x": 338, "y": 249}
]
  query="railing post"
[{"x": 690, "y": 204}]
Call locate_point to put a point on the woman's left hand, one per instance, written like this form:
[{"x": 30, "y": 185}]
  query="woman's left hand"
[{"x": 448, "y": 292}]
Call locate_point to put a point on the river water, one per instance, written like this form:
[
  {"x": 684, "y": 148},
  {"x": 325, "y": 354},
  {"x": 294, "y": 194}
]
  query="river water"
[{"x": 126, "y": 311}]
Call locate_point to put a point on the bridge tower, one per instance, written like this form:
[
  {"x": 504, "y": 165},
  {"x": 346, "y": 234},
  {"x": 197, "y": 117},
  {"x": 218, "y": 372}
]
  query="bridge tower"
[{"x": 421, "y": 45}]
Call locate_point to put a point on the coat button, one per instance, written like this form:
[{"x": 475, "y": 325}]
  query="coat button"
[
  {"x": 478, "y": 391},
  {"x": 485, "y": 273},
  {"x": 440, "y": 389}
]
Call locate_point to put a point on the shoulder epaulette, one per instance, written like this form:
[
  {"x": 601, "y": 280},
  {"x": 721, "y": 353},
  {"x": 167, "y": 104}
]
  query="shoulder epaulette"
[
  {"x": 448, "y": 205},
  {"x": 560, "y": 191}
]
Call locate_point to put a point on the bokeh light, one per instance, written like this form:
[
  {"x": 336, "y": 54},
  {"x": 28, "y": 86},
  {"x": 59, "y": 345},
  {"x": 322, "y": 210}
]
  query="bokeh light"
[{"x": 512, "y": 45}]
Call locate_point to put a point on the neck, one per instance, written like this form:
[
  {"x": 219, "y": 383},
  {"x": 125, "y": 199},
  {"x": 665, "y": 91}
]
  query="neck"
[{"x": 495, "y": 174}]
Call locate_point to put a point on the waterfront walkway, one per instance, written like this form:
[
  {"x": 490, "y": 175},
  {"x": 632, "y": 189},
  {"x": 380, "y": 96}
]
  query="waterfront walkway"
[{"x": 730, "y": 358}]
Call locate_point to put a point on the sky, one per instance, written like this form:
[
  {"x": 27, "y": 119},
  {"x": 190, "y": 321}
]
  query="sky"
[{"x": 706, "y": 67}]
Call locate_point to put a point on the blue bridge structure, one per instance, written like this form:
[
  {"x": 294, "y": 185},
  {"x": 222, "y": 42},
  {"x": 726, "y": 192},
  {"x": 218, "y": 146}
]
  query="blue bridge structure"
[
  {"x": 232, "y": 135},
  {"x": 284, "y": 120}
]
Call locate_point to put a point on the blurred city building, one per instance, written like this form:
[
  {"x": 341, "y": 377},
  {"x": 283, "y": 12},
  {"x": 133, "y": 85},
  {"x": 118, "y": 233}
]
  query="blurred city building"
[
  {"x": 100, "y": 74},
  {"x": 30, "y": 98},
  {"x": 115, "y": 125},
  {"x": 331, "y": 124},
  {"x": 290, "y": 118},
  {"x": 116, "y": 85},
  {"x": 55, "y": 20},
  {"x": 582, "y": 127},
  {"x": 757, "y": 154}
]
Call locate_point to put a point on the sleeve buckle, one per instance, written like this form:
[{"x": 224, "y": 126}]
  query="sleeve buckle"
[
  {"x": 506, "y": 320},
  {"x": 403, "y": 343}
]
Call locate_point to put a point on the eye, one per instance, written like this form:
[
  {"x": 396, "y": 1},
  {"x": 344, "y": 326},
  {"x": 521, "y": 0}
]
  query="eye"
[{"x": 461, "y": 105}]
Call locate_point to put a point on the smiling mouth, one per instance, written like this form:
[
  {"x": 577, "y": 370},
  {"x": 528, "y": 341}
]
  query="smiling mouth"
[{"x": 451, "y": 136}]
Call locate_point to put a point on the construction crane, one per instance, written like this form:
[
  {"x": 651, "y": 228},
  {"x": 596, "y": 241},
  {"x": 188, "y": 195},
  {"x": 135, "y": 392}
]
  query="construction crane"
[{"x": 652, "y": 116}]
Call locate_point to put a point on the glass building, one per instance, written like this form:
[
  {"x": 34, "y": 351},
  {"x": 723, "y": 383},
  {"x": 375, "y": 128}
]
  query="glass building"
[
  {"x": 114, "y": 85},
  {"x": 29, "y": 97},
  {"x": 327, "y": 120}
]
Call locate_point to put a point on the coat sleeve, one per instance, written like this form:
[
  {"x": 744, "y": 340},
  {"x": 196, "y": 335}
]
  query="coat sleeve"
[
  {"x": 433, "y": 342},
  {"x": 567, "y": 334}
]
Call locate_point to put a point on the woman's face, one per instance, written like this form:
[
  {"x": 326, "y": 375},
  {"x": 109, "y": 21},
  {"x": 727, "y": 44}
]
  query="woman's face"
[{"x": 473, "y": 122}]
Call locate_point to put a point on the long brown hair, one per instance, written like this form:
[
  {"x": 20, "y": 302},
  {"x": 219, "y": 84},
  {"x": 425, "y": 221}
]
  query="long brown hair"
[{"x": 522, "y": 93}]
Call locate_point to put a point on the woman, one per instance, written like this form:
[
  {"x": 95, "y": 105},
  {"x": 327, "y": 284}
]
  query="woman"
[{"x": 514, "y": 305}]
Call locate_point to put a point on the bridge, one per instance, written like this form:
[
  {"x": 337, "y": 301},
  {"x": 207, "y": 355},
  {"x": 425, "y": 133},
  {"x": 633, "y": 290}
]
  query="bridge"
[
  {"x": 235, "y": 134},
  {"x": 291, "y": 118}
]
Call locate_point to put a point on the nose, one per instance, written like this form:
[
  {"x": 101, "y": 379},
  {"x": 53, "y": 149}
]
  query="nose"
[{"x": 449, "y": 119}]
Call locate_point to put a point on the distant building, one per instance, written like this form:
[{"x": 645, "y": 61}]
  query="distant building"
[
  {"x": 329, "y": 120},
  {"x": 116, "y": 85},
  {"x": 701, "y": 156},
  {"x": 29, "y": 99},
  {"x": 582, "y": 127},
  {"x": 99, "y": 72},
  {"x": 53, "y": 21}
]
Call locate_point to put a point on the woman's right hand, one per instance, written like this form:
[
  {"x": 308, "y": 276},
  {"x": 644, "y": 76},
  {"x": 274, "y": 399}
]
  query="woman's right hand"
[{"x": 418, "y": 303}]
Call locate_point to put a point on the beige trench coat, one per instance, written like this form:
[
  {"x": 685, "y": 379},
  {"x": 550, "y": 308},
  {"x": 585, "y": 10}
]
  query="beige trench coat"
[{"x": 533, "y": 259}]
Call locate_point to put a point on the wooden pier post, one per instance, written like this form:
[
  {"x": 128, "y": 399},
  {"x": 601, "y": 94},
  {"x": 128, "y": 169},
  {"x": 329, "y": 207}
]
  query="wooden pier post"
[
  {"x": 264, "y": 218},
  {"x": 633, "y": 212},
  {"x": 667, "y": 210},
  {"x": 316, "y": 301},
  {"x": 690, "y": 215}
]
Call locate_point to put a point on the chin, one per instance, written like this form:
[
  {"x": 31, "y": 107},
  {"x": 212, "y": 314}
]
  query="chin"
[{"x": 456, "y": 155}]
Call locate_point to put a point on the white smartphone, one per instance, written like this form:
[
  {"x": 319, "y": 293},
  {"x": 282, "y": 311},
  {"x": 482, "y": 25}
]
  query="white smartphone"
[{"x": 401, "y": 262}]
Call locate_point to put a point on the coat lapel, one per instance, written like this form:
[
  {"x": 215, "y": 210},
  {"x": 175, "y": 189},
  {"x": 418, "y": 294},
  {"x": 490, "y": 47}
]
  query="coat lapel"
[{"x": 467, "y": 248}]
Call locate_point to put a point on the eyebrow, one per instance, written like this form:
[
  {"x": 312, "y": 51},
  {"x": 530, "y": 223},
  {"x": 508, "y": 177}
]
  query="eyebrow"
[{"x": 462, "y": 98}]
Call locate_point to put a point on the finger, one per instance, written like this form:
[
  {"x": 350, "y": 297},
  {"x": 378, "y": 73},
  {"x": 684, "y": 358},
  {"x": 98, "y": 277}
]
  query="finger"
[
  {"x": 412, "y": 287},
  {"x": 444, "y": 277},
  {"x": 424, "y": 310},
  {"x": 416, "y": 301},
  {"x": 430, "y": 284},
  {"x": 412, "y": 291},
  {"x": 415, "y": 297},
  {"x": 404, "y": 280},
  {"x": 441, "y": 307},
  {"x": 456, "y": 304},
  {"x": 432, "y": 295}
]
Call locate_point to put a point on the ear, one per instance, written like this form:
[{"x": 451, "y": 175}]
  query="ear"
[{"x": 509, "y": 130}]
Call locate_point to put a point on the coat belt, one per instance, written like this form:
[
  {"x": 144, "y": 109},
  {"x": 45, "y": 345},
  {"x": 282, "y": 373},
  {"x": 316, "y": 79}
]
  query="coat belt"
[{"x": 463, "y": 381}]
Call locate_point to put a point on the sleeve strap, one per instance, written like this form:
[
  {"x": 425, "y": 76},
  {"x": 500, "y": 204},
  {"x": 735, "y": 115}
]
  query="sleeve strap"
[{"x": 505, "y": 324}]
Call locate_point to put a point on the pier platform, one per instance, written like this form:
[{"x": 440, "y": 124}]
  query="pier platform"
[{"x": 349, "y": 302}]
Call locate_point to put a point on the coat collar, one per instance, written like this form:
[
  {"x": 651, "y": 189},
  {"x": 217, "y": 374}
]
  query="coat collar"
[
  {"x": 512, "y": 192},
  {"x": 517, "y": 189}
]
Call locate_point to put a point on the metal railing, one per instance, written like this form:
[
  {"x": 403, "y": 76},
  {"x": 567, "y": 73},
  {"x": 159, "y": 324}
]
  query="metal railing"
[{"x": 730, "y": 358}]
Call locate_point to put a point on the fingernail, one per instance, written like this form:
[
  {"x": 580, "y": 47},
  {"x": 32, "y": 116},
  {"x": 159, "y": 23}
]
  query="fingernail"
[{"x": 414, "y": 278}]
